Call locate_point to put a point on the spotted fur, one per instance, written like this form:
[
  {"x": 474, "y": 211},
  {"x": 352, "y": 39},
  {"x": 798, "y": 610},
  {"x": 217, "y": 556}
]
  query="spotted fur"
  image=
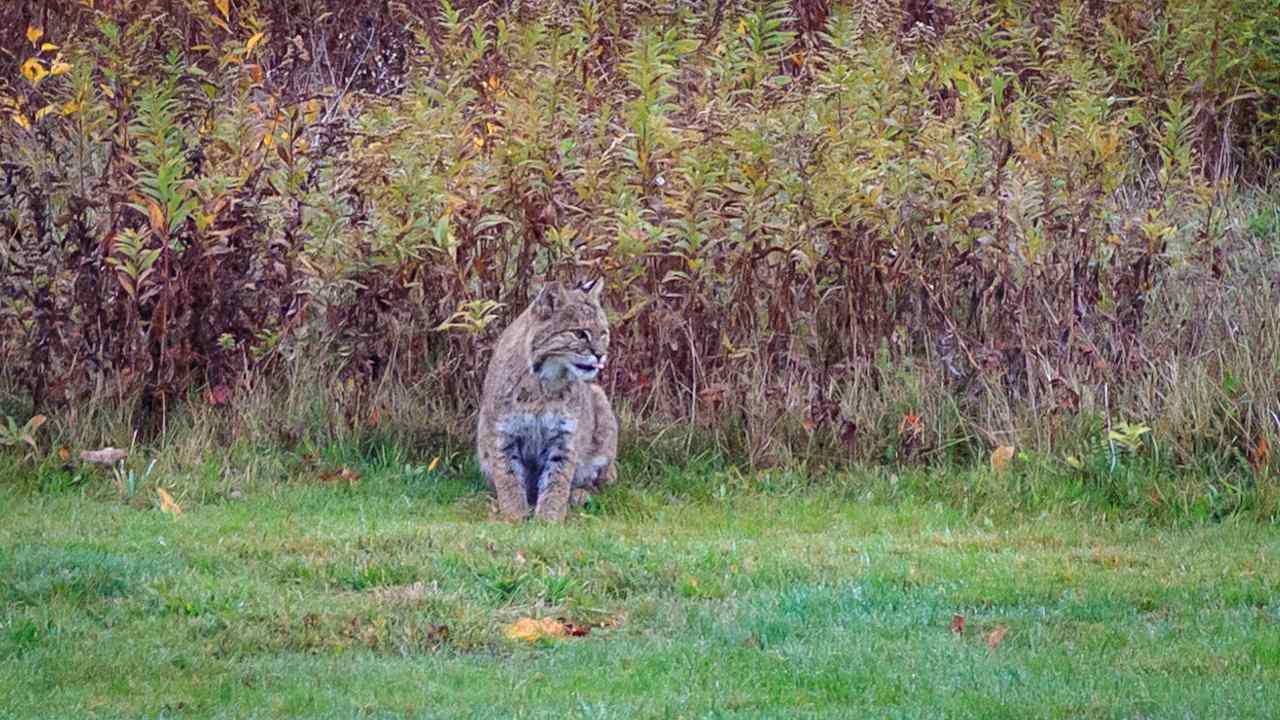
[{"x": 546, "y": 433}]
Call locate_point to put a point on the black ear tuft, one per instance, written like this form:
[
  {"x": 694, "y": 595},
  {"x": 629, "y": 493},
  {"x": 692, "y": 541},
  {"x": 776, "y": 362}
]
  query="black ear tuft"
[{"x": 591, "y": 287}]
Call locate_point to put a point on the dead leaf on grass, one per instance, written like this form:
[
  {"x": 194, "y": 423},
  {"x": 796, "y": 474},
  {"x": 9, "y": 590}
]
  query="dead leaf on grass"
[
  {"x": 168, "y": 504},
  {"x": 995, "y": 637},
  {"x": 957, "y": 624},
  {"x": 346, "y": 475},
  {"x": 531, "y": 630}
]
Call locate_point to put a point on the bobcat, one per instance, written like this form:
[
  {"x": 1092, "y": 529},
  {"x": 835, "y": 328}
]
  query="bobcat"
[{"x": 546, "y": 433}]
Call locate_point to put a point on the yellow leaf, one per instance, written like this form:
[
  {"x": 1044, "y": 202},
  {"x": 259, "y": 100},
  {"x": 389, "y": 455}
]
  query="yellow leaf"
[
  {"x": 531, "y": 630},
  {"x": 224, "y": 7},
  {"x": 156, "y": 216},
  {"x": 1000, "y": 458},
  {"x": 478, "y": 142},
  {"x": 71, "y": 106},
  {"x": 44, "y": 111},
  {"x": 434, "y": 462},
  {"x": 253, "y": 42},
  {"x": 22, "y": 121},
  {"x": 59, "y": 68},
  {"x": 167, "y": 503},
  {"x": 34, "y": 70},
  {"x": 48, "y": 47},
  {"x": 34, "y": 34}
]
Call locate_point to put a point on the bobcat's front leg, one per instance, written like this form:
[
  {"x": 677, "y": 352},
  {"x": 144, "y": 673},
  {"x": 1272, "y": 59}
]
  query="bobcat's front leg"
[
  {"x": 506, "y": 474},
  {"x": 556, "y": 483}
]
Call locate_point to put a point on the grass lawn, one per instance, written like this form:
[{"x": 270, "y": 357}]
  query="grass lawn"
[{"x": 391, "y": 599}]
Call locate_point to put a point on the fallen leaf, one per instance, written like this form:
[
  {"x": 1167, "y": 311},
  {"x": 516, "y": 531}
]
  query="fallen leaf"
[
  {"x": 531, "y": 630},
  {"x": 809, "y": 426},
  {"x": 64, "y": 454},
  {"x": 168, "y": 504},
  {"x": 435, "y": 461},
  {"x": 347, "y": 475},
  {"x": 995, "y": 636},
  {"x": 105, "y": 456},
  {"x": 957, "y": 624},
  {"x": 34, "y": 34},
  {"x": 1000, "y": 458}
]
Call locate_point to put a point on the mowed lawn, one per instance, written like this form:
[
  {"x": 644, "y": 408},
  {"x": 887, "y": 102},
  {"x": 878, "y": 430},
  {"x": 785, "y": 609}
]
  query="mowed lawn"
[{"x": 392, "y": 599}]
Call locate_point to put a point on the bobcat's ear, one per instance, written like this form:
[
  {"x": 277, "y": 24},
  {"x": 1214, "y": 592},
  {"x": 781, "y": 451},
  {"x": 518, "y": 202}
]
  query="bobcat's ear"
[{"x": 550, "y": 298}]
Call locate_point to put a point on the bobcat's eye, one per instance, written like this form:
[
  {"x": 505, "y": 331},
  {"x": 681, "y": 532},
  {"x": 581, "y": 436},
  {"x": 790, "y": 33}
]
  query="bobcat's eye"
[{"x": 583, "y": 335}]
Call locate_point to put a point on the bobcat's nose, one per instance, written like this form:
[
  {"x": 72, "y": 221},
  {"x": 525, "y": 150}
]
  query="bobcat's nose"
[{"x": 602, "y": 359}]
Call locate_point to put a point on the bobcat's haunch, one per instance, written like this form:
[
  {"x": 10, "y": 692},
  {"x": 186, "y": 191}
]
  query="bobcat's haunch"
[{"x": 546, "y": 431}]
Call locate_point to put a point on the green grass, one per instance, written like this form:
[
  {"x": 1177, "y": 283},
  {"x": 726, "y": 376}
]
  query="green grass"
[{"x": 707, "y": 599}]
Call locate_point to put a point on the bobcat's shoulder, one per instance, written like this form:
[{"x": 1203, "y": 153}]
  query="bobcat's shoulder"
[{"x": 545, "y": 427}]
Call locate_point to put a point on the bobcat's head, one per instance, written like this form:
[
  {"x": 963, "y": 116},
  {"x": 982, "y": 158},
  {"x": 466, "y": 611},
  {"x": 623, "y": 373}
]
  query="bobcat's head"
[{"x": 569, "y": 338}]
